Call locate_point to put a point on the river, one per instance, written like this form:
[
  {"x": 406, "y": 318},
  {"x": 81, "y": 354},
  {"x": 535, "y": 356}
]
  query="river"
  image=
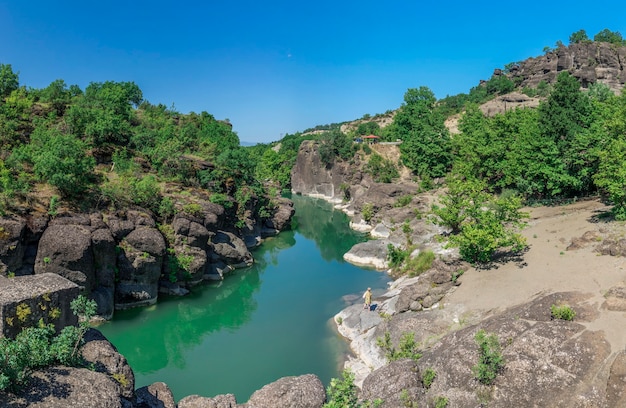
[{"x": 261, "y": 323}]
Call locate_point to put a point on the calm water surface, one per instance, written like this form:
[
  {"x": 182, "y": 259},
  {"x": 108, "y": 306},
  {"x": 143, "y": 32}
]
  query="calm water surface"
[{"x": 268, "y": 321}]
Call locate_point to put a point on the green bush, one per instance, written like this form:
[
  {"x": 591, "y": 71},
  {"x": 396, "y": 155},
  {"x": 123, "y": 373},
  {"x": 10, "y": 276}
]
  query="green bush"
[
  {"x": 367, "y": 211},
  {"x": 396, "y": 256},
  {"x": 490, "y": 360},
  {"x": 407, "y": 348},
  {"x": 37, "y": 347},
  {"x": 342, "y": 393},
  {"x": 428, "y": 377},
  {"x": 403, "y": 201},
  {"x": 382, "y": 170},
  {"x": 421, "y": 263},
  {"x": 562, "y": 312},
  {"x": 221, "y": 199},
  {"x": 441, "y": 402}
]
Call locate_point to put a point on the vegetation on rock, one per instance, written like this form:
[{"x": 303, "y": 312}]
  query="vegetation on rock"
[{"x": 37, "y": 347}]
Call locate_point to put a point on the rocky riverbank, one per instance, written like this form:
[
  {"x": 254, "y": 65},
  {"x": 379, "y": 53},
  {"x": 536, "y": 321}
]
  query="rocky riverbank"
[{"x": 125, "y": 258}]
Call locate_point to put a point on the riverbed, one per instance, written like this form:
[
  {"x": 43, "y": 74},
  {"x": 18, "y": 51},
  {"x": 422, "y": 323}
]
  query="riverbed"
[{"x": 261, "y": 323}]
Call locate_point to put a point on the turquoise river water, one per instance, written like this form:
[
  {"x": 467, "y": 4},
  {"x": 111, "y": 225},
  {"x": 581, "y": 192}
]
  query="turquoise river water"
[{"x": 261, "y": 323}]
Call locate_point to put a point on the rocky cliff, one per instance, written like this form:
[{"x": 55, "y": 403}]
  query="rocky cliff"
[
  {"x": 124, "y": 259},
  {"x": 589, "y": 62}
]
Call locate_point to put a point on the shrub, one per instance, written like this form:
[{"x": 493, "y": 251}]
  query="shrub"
[
  {"x": 403, "y": 201},
  {"x": 490, "y": 360},
  {"x": 407, "y": 348},
  {"x": 342, "y": 393},
  {"x": 367, "y": 211},
  {"x": 396, "y": 256},
  {"x": 382, "y": 170},
  {"x": 428, "y": 377},
  {"x": 562, "y": 312},
  {"x": 36, "y": 347},
  {"x": 221, "y": 199},
  {"x": 421, "y": 263},
  {"x": 441, "y": 402}
]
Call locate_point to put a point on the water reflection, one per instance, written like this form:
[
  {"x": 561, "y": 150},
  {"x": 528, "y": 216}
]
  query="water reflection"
[
  {"x": 261, "y": 323},
  {"x": 316, "y": 220}
]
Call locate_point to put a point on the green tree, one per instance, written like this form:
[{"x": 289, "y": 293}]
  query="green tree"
[
  {"x": 9, "y": 80},
  {"x": 606, "y": 35},
  {"x": 578, "y": 37},
  {"x": 62, "y": 161},
  {"x": 57, "y": 95},
  {"x": 426, "y": 145},
  {"x": 611, "y": 176},
  {"x": 480, "y": 223},
  {"x": 104, "y": 113}
]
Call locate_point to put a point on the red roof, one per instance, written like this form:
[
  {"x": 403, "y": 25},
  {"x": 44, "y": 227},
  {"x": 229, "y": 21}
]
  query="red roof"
[{"x": 370, "y": 137}]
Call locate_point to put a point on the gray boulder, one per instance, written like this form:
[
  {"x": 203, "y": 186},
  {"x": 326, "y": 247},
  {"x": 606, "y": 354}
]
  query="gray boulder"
[
  {"x": 26, "y": 300},
  {"x": 231, "y": 249},
  {"x": 105, "y": 358},
  {"x": 305, "y": 391},
  {"x": 155, "y": 395},
  {"x": 63, "y": 387},
  {"x": 140, "y": 264},
  {"x": 65, "y": 249},
  {"x": 396, "y": 384},
  {"x": 219, "y": 401}
]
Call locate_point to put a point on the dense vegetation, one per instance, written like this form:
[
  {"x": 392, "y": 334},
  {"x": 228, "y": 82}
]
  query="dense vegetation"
[{"x": 107, "y": 147}]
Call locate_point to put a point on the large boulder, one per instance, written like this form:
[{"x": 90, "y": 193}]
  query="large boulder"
[
  {"x": 66, "y": 249},
  {"x": 219, "y": 401},
  {"x": 27, "y": 300},
  {"x": 105, "y": 358},
  {"x": 305, "y": 391},
  {"x": 155, "y": 395},
  {"x": 369, "y": 253},
  {"x": 231, "y": 249},
  {"x": 12, "y": 248},
  {"x": 63, "y": 387},
  {"x": 281, "y": 217},
  {"x": 396, "y": 384},
  {"x": 140, "y": 264}
]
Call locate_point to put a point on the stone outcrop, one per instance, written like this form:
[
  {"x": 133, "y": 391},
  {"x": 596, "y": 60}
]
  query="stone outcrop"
[
  {"x": 25, "y": 300},
  {"x": 305, "y": 391},
  {"x": 62, "y": 387},
  {"x": 105, "y": 358},
  {"x": 310, "y": 176},
  {"x": 121, "y": 259},
  {"x": 219, "y": 401},
  {"x": 588, "y": 62},
  {"x": 155, "y": 395}
]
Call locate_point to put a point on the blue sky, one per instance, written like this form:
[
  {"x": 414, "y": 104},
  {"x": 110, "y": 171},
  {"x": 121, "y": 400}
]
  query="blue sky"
[{"x": 278, "y": 67}]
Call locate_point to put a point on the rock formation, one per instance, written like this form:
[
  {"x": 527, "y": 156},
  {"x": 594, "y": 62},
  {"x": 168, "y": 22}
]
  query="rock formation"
[
  {"x": 589, "y": 62},
  {"x": 121, "y": 259}
]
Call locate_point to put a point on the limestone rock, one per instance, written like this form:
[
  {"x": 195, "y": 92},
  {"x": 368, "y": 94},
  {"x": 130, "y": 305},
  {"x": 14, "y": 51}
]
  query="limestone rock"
[
  {"x": 369, "y": 253},
  {"x": 305, "y": 391}
]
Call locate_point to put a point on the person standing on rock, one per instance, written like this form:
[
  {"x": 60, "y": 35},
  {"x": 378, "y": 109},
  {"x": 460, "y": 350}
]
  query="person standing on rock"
[{"x": 368, "y": 299}]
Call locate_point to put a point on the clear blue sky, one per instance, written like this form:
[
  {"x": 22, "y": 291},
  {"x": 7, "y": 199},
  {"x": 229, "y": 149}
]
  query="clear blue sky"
[{"x": 276, "y": 67}]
